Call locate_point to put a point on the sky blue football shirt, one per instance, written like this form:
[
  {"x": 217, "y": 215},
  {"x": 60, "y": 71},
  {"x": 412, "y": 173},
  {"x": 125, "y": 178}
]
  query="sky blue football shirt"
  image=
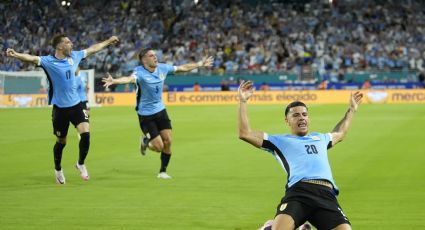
[
  {"x": 61, "y": 76},
  {"x": 81, "y": 87},
  {"x": 149, "y": 88},
  {"x": 303, "y": 158}
]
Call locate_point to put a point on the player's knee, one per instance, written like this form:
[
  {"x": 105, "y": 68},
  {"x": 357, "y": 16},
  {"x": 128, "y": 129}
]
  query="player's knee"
[
  {"x": 83, "y": 127},
  {"x": 343, "y": 227},
  {"x": 61, "y": 140},
  {"x": 283, "y": 222},
  {"x": 167, "y": 142},
  {"x": 158, "y": 146}
]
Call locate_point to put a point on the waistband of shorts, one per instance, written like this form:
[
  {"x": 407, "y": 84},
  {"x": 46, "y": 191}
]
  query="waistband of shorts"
[{"x": 320, "y": 182}]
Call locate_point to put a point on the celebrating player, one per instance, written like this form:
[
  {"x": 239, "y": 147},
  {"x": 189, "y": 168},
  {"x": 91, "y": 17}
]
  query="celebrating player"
[
  {"x": 67, "y": 107},
  {"x": 310, "y": 191},
  {"x": 153, "y": 117}
]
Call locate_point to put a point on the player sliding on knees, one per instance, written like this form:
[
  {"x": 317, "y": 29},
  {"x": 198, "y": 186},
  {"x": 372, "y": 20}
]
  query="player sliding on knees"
[
  {"x": 67, "y": 107},
  {"x": 153, "y": 117},
  {"x": 310, "y": 190}
]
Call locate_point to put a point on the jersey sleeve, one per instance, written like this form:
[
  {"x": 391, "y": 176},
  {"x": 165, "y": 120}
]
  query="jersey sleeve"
[
  {"x": 42, "y": 60},
  {"x": 80, "y": 55},
  {"x": 268, "y": 144},
  {"x": 328, "y": 139},
  {"x": 170, "y": 69},
  {"x": 134, "y": 75}
]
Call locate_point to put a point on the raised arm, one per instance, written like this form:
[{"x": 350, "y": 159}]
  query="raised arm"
[
  {"x": 255, "y": 138},
  {"x": 99, "y": 46},
  {"x": 340, "y": 130},
  {"x": 23, "y": 57},
  {"x": 205, "y": 62},
  {"x": 109, "y": 80}
]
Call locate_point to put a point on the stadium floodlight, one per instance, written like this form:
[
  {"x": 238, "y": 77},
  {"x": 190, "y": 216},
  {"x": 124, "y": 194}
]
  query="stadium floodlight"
[
  {"x": 66, "y": 3},
  {"x": 196, "y": 1}
]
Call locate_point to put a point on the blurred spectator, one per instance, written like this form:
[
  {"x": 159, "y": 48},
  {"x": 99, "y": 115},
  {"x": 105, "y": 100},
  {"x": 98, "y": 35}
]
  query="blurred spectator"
[
  {"x": 264, "y": 87},
  {"x": 42, "y": 89},
  {"x": 196, "y": 87},
  {"x": 323, "y": 85},
  {"x": 421, "y": 78},
  {"x": 165, "y": 88},
  {"x": 366, "y": 84},
  {"x": 224, "y": 85}
]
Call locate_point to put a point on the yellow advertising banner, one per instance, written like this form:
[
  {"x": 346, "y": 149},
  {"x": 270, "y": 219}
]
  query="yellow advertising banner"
[
  {"x": 416, "y": 96},
  {"x": 413, "y": 96},
  {"x": 23, "y": 100}
]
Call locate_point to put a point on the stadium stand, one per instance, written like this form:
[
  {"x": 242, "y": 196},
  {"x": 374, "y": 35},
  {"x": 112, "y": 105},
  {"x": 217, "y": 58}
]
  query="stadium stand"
[{"x": 255, "y": 37}]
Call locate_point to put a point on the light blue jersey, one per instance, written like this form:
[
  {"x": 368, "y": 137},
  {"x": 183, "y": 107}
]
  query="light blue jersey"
[
  {"x": 149, "y": 88},
  {"x": 81, "y": 87},
  {"x": 61, "y": 75},
  {"x": 303, "y": 158}
]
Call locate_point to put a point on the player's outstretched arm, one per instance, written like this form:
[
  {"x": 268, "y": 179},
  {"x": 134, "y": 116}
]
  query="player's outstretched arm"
[
  {"x": 99, "y": 46},
  {"x": 23, "y": 57},
  {"x": 109, "y": 80},
  {"x": 245, "y": 91},
  {"x": 205, "y": 62},
  {"x": 338, "y": 133}
]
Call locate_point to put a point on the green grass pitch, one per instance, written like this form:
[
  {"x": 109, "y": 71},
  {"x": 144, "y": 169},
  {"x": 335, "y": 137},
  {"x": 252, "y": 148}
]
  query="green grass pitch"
[{"x": 219, "y": 181}]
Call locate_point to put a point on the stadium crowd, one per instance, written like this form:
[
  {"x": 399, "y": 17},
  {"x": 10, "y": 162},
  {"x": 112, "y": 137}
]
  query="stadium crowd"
[{"x": 253, "y": 36}]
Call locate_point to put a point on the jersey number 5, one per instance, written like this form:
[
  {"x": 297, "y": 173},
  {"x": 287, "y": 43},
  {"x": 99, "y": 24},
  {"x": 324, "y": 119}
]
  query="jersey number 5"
[
  {"x": 68, "y": 74},
  {"x": 311, "y": 149}
]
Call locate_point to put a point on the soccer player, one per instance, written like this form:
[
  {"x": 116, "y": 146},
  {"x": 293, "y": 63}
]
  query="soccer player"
[
  {"x": 310, "y": 191},
  {"x": 153, "y": 117},
  {"x": 67, "y": 107},
  {"x": 82, "y": 91}
]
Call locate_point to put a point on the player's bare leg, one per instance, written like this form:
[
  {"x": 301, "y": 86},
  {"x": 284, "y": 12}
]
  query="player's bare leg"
[{"x": 283, "y": 222}]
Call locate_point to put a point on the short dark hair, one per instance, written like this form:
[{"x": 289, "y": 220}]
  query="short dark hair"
[
  {"x": 58, "y": 39},
  {"x": 294, "y": 104},
  {"x": 143, "y": 52}
]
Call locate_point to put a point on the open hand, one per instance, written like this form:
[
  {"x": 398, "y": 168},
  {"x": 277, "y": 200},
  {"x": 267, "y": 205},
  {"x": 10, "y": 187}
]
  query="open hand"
[
  {"x": 207, "y": 61},
  {"x": 245, "y": 90},
  {"x": 108, "y": 80},
  {"x": 355, "y": 100}
]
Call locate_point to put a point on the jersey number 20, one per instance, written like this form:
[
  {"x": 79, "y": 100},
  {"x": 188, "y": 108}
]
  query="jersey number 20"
[{"x": 311, "y": 149}]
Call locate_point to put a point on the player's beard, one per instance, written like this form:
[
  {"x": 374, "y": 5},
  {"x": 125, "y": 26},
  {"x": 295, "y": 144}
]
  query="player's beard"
[{"x": 67, "y": 52}]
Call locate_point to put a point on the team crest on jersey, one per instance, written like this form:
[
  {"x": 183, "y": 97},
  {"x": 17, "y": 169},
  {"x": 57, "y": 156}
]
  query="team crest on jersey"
[
  {"x": 316, "y": 138},
  {"x": 70, "y": 61},
  {"x": 161, "y": 76},
  {"x": 283, "y": 206}
]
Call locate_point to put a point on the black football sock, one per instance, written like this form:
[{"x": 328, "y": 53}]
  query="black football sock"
[
  {"x": 57, "y": 155},
  {"x": 165, "y": 159},
  {"x": 84, "y": 147}
]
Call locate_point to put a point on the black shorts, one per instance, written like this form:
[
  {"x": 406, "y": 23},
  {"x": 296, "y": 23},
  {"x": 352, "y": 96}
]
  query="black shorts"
[
  {"x": 151, "y": 125},
  {"x": 62, "y": 116},
  {"x": 85, "y": 105},
  {"x": 314, "y": 203}
]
